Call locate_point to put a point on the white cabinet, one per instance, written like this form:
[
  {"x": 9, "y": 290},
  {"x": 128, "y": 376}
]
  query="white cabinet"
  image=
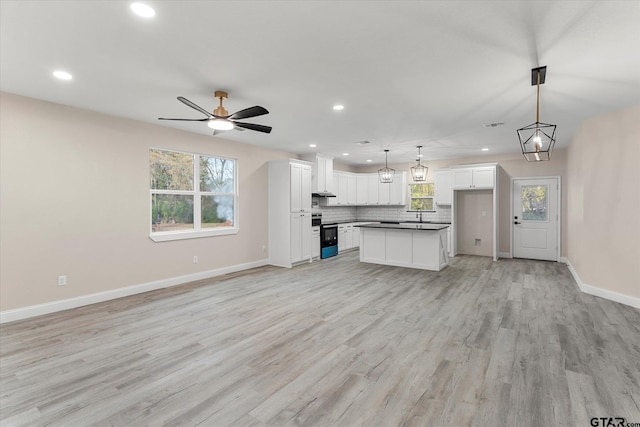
[
  {"x": 393, "y": 193},
  {"x": 322, "y": 176},
  {"x": 356, "y": 189},
  {"x": 300, "y": 187},
  {"x": 373, "y": 197},
  {"x": 397, "y": 189},
  {"x": 384, "y": 189},
  {"x": 348, "y": 237},
  {"x": 343, "y": 193},
  {"x": 351, "y": 189},
  {"x": 356, "y": 235},
  {"x": 345, "y": 188},
  {"x": 362, "y": 189},
  {"x": 443, "y": 184},
  {"x": 342, "y": 237},
  {"x": 300, "y": 237},
  {"x": 315, "y": 242},
  {"x": 474, "y": 178},
  {"x": 289, "y": 212}
]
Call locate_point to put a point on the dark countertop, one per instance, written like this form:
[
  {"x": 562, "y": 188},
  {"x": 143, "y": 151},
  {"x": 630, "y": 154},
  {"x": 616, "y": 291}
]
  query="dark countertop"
[
  {"x": 407, "y": 226},
  {"x": 386, "y": 222}
]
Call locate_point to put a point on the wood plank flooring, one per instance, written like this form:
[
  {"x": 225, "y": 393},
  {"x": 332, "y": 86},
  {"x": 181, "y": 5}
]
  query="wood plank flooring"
[{"x": 333, "y": 343}]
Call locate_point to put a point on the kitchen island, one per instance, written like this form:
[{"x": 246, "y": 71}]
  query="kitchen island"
[{"x": 405, "y": 245}]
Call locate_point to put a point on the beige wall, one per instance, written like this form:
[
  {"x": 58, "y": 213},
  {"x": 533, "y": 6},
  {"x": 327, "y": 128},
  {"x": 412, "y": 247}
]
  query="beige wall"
[
  {"x": 604, "y": 202},
  {"x": 512, "y": 166},
  {"x": 472, "y": 225},
  {"x": 75, "y": 201}
]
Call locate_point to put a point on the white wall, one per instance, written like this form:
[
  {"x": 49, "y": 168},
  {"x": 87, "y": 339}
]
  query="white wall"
[
  {"x": 75, "y": 201},
  {"x": 604, "y": 202}
]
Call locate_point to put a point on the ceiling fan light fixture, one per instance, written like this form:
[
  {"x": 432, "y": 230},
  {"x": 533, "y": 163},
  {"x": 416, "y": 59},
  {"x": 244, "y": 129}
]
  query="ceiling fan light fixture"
[
  {"x": 537, "y": 139},
  {"x": 220, "y": 124},
  {"x": 419, "y": 172},
  {"x": 386, "y": 173}
]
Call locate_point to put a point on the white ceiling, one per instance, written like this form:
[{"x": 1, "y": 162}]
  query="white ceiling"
[{"x": 408, "y": 72}]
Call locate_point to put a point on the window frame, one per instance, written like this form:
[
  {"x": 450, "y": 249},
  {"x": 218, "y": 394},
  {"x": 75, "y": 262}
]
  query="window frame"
[
  {"x": 432, "y": 197},
  {"x": 196, "y": 193}
]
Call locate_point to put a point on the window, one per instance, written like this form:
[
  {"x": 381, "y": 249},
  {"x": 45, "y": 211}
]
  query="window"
[
  {"x": 421, "y": 197},
  {"x": 534, "y": 202},
  {"x": 192, "y": 195}
]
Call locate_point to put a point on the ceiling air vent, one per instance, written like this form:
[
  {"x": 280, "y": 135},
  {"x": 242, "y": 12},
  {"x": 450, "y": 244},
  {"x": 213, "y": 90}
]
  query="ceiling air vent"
[
  {"x": 494, "y": 125},
  {"x": 362, "y": 142}
]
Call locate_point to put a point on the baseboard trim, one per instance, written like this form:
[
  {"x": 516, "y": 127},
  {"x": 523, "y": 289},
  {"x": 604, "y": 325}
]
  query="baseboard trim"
[
  {"x": 504, "y": 255},
  {"x": 599, "y": 292},
  {"x": 66, "y": 304}
]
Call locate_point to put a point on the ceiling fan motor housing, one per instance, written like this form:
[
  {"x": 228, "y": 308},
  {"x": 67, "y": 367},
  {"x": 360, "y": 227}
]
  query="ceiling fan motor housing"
[{"x": 220, "y": 111}]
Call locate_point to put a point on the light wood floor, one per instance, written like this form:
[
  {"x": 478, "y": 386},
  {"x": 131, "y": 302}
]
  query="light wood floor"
[{"x": 336, "y": 342}]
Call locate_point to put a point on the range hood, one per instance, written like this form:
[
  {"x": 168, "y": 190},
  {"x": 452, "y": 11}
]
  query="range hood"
[{"x": 323, "y": 194}]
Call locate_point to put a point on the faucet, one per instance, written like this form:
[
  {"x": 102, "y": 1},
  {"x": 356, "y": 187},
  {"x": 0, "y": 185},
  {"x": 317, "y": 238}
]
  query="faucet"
[{"x": 419, "y": 213}]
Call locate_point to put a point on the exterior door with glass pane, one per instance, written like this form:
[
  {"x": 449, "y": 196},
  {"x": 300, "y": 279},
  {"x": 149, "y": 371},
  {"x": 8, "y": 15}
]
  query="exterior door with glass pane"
[{"x": 535, "y": 218}]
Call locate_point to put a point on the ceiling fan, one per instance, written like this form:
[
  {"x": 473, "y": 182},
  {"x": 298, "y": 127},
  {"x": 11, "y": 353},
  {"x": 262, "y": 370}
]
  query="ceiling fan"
[{"x": 220, "y": 120}]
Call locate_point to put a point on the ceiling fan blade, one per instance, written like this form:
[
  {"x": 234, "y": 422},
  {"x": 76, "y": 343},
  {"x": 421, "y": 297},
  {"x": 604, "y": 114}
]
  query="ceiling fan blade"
[
  {"x": 186, "y": 120},
  {"x": 194, "y": 106},
  {"x": 252, "y": 126},
  {"x": 248, "y": 113}
]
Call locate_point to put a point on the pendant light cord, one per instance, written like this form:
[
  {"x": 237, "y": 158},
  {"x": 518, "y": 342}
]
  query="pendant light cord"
[{"x": 538, "y": 100}]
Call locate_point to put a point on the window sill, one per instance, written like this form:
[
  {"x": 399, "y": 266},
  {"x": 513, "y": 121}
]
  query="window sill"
[{"x": 182, "y": 235}]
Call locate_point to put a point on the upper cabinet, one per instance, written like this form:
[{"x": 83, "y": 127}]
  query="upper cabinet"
[
  {"x": 478, "y": 177},
  {"x": 365, "y": 189},
  {"x": 322, "y": 174},
  {"x": 443, "y": 185},
  {"x": 300, "y": 187}
]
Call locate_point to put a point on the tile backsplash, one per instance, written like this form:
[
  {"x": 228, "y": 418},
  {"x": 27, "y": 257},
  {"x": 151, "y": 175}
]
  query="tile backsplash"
[{"x": 379, "y": 213}]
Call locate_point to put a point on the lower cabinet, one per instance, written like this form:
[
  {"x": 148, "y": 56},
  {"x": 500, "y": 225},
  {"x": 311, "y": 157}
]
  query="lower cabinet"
[
  {"x": 315, "y": 242},
  {"x": 300, "y": 237},
  {"x": 348, "y": 237}
]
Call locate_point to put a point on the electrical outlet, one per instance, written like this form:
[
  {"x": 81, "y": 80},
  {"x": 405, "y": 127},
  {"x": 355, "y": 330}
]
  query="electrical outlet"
[
  {"x": 62, "y": 280},
  {"x": 264, "y": 249},
  {"x": 195, "y": 259}
]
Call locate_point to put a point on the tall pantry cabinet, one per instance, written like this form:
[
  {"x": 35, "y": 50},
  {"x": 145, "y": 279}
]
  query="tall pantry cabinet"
[{"x": 289, "y": 212}]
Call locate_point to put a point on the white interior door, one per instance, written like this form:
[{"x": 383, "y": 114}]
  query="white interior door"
[{"x": 535, "y": 218}]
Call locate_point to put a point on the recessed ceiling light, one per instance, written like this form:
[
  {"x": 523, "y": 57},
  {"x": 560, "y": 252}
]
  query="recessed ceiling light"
[
  {"x": 312, "y": 145},
  {"x": 143, "y": 10},
  {"x": 345, "y": 154},
  {"x": 369, "y": 160},
  {"x": 62, "y": 75},
  {"x": 485, "y": 149},
  {"x": 338, "y": 107}
]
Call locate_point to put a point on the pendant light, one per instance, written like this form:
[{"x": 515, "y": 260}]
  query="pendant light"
[
  {"x": 418, "y": 171},
  {"x": 537, "y": 139},
  {"x": 386, "y": 173}
]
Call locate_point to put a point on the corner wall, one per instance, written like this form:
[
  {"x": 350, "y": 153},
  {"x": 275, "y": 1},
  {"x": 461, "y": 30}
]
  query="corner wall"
[
  {"x": 604, "y": 205},
  {"x": 74, "y": 201}
]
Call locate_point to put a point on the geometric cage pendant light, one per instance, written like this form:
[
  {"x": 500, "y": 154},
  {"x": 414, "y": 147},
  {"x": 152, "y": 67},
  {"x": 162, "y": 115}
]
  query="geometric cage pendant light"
[
  {"x": 386, "y": 173},
  {"x": 419, "y": 172},
  {"x": 537, "y": 139}
]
